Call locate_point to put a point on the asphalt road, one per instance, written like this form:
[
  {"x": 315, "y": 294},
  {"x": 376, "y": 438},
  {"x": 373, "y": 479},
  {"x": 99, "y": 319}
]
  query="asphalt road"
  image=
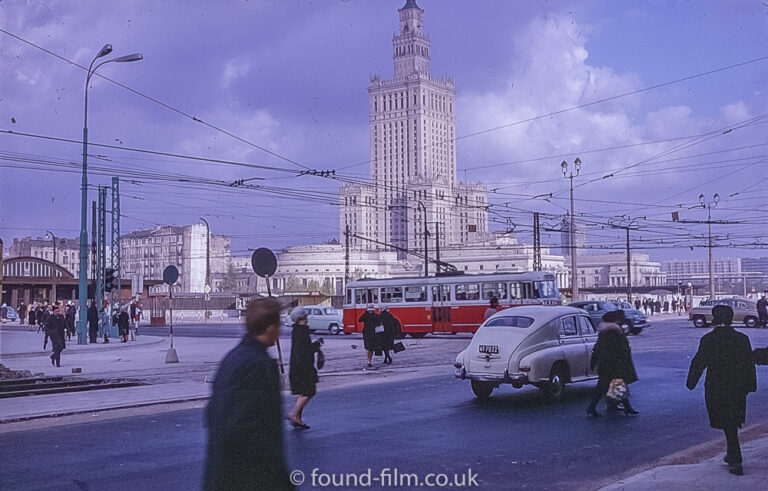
[{"x": 430, "y": 425}]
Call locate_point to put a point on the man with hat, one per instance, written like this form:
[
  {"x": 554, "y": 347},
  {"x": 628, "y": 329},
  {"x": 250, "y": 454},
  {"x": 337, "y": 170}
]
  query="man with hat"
[{"x": 727, "y": 356}]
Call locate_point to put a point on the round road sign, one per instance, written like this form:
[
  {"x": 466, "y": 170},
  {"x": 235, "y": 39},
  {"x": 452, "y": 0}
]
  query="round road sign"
[
  {"x": 264, "y": 262},
  {"x": 170, "y": 274}
]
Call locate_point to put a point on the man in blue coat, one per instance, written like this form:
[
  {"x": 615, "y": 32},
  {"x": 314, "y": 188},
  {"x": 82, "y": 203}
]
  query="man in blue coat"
[{"x": 244, "y": 415}]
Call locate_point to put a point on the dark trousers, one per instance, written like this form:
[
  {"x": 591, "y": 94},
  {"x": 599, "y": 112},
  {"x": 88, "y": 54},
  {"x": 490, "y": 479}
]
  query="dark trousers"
[
  {"x": 93, "y": 331},
  {"x": 45, "y": 341},
  {"x": 56, "y": 355},
  {"x": 600, "y": 390},
  {"x": 763, "y": 318},
  {"x": 733, "y": 453}
]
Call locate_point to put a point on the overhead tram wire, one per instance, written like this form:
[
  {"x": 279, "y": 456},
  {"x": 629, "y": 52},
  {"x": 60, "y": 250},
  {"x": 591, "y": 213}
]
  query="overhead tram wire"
[{"x": 156, "y": 101}]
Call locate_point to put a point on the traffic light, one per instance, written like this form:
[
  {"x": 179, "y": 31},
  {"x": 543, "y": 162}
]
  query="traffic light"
[{"x": 109, "y": 279}]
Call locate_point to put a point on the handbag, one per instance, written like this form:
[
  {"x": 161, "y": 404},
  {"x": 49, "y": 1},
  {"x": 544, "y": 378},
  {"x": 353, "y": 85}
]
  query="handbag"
[
  {"x": 617, "y": 390},
  {"x": 378, "y": 329},
  {"x": 320, "y": 359},
  {"x": 398, "y": 347}
]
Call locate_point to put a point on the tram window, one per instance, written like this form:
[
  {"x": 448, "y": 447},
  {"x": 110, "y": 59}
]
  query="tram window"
[
  {"x": 349, "y": 296},
  {"x": 415, "y": 293},
  {"x": 361, "y": 296},
  {"x": 514, "y": 290},
  {"x": 545, "y": 289},
  {"x": 365, "y": 296},
  {"x": 498, "y": 290},
  {"x": 468, "y": 291},
  {"x": 441, "y": 293},
  {"x": 373, "y": 295},
  {"x": 392, "y": 294},
  {"x": 526, "y": 290}
]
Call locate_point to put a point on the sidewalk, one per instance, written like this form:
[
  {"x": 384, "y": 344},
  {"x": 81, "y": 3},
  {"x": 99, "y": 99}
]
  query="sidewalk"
[{"x": 705, "y": 474}]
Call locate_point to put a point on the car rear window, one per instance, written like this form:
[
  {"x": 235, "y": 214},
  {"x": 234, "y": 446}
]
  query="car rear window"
[{"x": 510, "y": 321}]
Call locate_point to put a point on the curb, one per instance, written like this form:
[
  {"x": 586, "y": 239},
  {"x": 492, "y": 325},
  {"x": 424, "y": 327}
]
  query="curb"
[
  {"x": 93, "y": 410},
  {"x": 111, "y": 348}
]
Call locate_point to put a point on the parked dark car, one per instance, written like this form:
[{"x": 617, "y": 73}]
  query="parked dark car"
[{"x": 636, "y": 320}]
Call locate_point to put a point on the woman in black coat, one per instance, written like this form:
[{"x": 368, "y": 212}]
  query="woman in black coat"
[
  {"x": 726, "y": 354},
  {"x": 371, "y": 321},
  {"x": 613, "y": 359},
  {"x": 302, "y": 374},
  {"x": 392, "y": 329}
]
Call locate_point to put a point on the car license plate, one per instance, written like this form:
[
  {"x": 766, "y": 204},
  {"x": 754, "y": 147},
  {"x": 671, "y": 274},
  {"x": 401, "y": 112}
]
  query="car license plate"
[{"x": 493, "y": 350}]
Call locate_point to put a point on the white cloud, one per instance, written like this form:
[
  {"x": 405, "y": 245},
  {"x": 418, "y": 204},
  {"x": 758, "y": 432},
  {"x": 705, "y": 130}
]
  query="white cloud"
[{"x": 232, "y": 71}]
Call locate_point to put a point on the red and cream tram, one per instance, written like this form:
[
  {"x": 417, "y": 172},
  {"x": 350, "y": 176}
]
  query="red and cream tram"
[{"x": 446, "y": 303}]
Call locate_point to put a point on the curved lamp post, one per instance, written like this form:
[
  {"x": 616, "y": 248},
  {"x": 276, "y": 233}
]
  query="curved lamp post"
[
  {"x": 574, "y": 279},
  {"x": 53, "y": 271},
  {"x": 207, "y": 269},
  {"x": 82, "y": 332}
]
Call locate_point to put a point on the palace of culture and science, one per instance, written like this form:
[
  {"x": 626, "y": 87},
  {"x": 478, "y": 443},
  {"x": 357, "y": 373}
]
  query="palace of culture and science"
[{"x": 412, "y": 158}]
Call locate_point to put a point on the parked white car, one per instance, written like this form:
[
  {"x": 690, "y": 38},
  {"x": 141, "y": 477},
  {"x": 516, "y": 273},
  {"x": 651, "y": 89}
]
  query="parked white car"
[
  {"x": 545, "y": 346},
  {"x": 324, "y": 319}
]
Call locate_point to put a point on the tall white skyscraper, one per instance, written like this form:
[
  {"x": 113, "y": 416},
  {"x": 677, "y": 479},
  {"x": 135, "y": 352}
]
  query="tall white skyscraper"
[{"x": 413, "y": 158}]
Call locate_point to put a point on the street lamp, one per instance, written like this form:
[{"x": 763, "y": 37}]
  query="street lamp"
[
  {"x": 708, "y": 205},
  {"x": 426, "y": 244},
  {"x": 207, "y": 269},
  {"x": 53, "y": 270},
  {"x": 82, "y": 331},
  {"x": 574, "y": 279}
]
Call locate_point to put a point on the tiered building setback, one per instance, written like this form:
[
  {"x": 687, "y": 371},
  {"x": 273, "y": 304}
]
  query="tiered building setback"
[{"x": 412, "y": 158}]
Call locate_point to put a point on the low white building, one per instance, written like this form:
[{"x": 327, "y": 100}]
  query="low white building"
[{"x": 610, "y": 270}]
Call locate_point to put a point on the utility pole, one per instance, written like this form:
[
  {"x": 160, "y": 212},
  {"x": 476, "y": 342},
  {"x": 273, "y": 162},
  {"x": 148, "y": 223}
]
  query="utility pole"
[
  {"x": 437, "y": 246},
  {"x": 117, "y": 293},
  {"x": 708, "y": 206},
  {"x": 346, "y": 255},
  {"x": 426, "y": 240},
  {"x": 207, "y": 269},
  {"x": 536, "y": 243},
  {"x": 94, "y": 258},
  {"x": 574, "y": 266},
  {"x": 631, "y": 224},
  {"x": 101, "y": 246}
]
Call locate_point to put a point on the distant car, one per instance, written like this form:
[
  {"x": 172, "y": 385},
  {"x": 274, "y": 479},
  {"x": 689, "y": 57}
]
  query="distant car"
[
  {"x": 544, "y": 346},
  {"x": 637, "y": 320},
  {"x": 744, "y": 311},
  {"x": 324, "y": 319},
  {"x": 11, "y": 314}
]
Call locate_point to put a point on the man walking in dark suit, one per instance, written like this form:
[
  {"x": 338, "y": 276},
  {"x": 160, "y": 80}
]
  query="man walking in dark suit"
[
  {"x": 244, "y": 415},
  {"x": 726, "y": 354}
]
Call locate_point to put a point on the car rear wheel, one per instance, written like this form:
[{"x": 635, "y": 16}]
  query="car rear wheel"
[
  {"x": 553, "y": 389},
  {"x": 333, "y": 329},
  {"x": 750, "y": 321},
  {"x": 699, "y": 321},
  {"x": 482, "y": 390}
]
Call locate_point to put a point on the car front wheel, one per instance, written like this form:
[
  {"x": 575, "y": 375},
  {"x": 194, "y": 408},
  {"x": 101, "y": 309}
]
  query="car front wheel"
[
  {"x": 482, "y": 390},
  {"x": 334, "y": 329},
  {"x": 750, "y": 321},
  {"x": 699, "y": 321}
]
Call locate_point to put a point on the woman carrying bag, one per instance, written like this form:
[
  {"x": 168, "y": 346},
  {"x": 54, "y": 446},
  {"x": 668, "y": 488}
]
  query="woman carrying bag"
[
  {"x": 302, "y": 374},
  {"x": 613, "y": 359}
]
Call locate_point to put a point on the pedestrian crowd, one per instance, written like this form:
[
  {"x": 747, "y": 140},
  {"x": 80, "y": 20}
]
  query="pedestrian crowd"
[{"x": 57, "y": 322}]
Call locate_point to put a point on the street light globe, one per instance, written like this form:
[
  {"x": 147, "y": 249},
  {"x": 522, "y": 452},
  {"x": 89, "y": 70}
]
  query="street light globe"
[
  {"x": 701, "y": 199},
  {"x": 564, "y": 165},
  {"x": 716, "y": 198}
]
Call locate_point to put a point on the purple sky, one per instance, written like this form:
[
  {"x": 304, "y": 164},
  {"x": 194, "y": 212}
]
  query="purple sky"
[{"x": 291, "y": 77}]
